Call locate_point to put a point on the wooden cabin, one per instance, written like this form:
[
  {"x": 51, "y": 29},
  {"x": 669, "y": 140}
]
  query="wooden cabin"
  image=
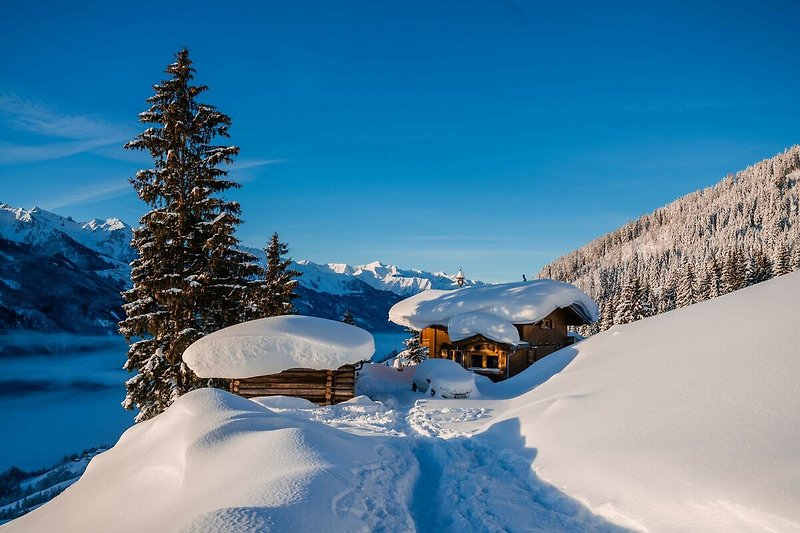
[
  {"x": 497, "y": 360},
  {"x": 323, "y": 387}
]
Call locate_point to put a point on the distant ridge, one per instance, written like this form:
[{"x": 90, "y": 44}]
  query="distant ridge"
[{"x": 57, "y": 274}]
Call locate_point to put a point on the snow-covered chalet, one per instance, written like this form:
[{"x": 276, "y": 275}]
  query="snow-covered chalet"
[{"x": 496, "y": 330}]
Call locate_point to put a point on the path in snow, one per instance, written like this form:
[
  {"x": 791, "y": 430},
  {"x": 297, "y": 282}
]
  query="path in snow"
[
  {"x": 433, "y": 475},
  {"x": 484, "y": 482}
]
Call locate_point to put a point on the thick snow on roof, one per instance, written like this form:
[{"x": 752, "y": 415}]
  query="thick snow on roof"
[
  {"x": 490, "y": 326},
  {"x": 518, "y": 303},
  {"x": 271, "y": 345}
]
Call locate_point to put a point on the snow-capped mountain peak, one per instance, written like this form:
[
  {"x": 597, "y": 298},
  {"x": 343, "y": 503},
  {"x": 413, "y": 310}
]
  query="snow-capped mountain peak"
[
  {"x": 111, "y": 238},
  {"x": 333, "y": 278}
]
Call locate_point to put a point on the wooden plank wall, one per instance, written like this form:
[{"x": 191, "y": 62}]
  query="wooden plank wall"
[{"x": 323, "y": 387}]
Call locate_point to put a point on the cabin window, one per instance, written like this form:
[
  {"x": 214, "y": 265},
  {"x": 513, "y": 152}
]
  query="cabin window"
[
  {"x": 458, "y": 357},
  {"x": 477, "y": 361},
  {"x": 492, "y": 361},
  {"x": 547, "y": 323}
]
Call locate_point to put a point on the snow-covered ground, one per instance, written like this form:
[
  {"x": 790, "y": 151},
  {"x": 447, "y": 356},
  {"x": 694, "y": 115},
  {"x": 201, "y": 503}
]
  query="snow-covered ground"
[{"x": 687, "y": 421}]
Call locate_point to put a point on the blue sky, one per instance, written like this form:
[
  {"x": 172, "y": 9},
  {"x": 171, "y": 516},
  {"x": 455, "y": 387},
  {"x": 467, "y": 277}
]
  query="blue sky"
[{"x": 491, "y": 136}]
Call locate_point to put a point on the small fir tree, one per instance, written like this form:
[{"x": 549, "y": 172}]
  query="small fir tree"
[
  {"x": 189, "y": 277},
  {"x": 347, "y": 318},
  {"x": 413, "y": 351},
  {"x": 629, "y": 307},
  {"x": 686, "y": 292},
  {"x": 733, "y": 272},
  {"x": 607, "y": 312},
  {"x": 703, "y": 285},
  {"x": 276, "y": 290},
  {"x": 783, "y": 261},
  {"x": 759, "y": 268},
  {"x": 796, "y": 257},
  {"x": 714, "y": 279}
]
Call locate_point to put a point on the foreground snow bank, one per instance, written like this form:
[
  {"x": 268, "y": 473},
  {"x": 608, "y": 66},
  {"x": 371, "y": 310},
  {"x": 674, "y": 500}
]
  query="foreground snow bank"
[
  {"x": 685, "y": 421},
  {"x": 217, "y": 462},
  {"x": 271, "y": 345}
]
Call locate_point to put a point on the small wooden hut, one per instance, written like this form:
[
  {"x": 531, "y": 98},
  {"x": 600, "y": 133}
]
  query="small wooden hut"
[
  {"x": 299, "y": 356},
  {"x": 497, "y": 330},
  {"x": 500, "y": 360},
  {"x": 323, "y": 387}
]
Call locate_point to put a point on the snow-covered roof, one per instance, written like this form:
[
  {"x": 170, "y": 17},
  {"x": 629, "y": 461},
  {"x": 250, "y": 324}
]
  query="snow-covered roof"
[
  {"x": 490, "y": 326},
  {"x": 272, "y": 345},
  {"x": 465, "y": 310}
]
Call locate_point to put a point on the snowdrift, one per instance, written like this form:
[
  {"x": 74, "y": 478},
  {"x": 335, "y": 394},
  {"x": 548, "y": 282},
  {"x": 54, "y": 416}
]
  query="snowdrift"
[
  {"x": 217, "y": 462},
  {"x": 687, "y": 421}
]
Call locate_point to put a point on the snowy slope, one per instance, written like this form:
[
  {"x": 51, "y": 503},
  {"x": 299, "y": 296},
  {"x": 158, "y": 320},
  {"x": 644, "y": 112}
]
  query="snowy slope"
[
  {"x": 217, "y": 462},
  {"x": 688, "y": 421}
]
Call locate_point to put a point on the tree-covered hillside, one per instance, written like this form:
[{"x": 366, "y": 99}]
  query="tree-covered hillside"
[{"x": 744, "y": 230}]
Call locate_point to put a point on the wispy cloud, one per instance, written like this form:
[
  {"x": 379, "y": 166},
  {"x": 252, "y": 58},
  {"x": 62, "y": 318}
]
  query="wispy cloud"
[
  {"x": 243, "y": 164},
  {"x": 103, "y": 191},
  {"x": 61, "y": 134}
]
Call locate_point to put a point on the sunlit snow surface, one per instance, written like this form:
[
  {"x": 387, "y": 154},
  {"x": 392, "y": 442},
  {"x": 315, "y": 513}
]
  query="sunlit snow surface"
[{"x": 687, "y": 421}]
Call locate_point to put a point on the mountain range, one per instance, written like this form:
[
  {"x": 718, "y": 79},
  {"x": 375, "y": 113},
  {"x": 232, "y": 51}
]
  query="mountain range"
[{"x": 57, "y": 274}]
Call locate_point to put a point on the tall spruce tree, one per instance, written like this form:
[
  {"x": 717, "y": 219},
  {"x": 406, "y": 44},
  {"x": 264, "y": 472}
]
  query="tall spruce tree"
[
  {"x": 189, "y": 278},
  {"x": 276, "y": 290}
]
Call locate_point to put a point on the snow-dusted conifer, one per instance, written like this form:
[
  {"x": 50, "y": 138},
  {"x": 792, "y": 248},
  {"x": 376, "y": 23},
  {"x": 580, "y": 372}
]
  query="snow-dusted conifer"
[
  {"x": 189, "y": 278},
  {"x": 714, "y": 278},
  {"x": 703, "y": 285},
  {"x": 796, "y": 256},
  {"x": 347, "y": 318},
  {"x": 413, "y": 351},
  {"x": 686, "y": 293},
  {"x": 783, "y": 263},
  {"x": 276, "y": 290},
  {"x": 733, "y": 272},
  {"x": 607, "y": 312},
  {"x": 759, "y": 268},
  {"x": 629, "y": 306}
]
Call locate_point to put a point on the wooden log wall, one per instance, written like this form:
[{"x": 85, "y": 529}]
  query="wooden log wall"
[{"x": 323, "y": 387}]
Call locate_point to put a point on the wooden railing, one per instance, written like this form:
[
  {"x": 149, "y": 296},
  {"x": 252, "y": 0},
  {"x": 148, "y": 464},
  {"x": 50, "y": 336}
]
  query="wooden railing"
[{"x": 323, "y": 387}]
